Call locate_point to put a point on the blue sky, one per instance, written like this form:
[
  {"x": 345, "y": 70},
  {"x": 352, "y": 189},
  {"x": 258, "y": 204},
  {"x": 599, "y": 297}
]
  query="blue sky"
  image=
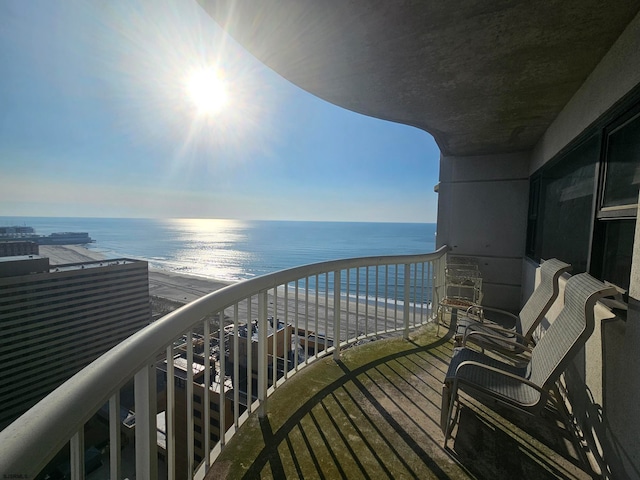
[{"x": 95, "y": 120}]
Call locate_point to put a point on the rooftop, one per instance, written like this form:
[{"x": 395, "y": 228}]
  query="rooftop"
[{"x": 378, "y": 410}]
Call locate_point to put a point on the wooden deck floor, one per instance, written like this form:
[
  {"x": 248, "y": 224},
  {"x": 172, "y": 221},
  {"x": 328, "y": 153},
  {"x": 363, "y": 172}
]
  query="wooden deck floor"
[{"x": 376, "y": 414}]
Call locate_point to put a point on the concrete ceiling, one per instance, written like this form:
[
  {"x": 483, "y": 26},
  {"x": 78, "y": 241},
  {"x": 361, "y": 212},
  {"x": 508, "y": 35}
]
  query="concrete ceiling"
[{"x": 480, "y": 76}]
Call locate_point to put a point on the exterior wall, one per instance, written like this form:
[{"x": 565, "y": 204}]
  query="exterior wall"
[
  {"x": 9, "y": 249},
  {"x": 615, "y": 76},
  {"x": 54, "y": 323},
  {"x": 482, "y": 212},
  {"x": 604, "y": 383},
  {"x": 283, "y": 337},
  {"x": 180, "y": 411}
]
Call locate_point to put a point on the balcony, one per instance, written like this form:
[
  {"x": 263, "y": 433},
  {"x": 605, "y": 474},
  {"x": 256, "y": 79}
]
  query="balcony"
[
  {"x": 326, "y": 401},
  {"x": 377, "y": 412}
]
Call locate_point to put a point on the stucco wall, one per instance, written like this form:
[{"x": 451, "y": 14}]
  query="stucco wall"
[
  {"x": 482, "y": 211},
  {"x": 615, "y": 76}
]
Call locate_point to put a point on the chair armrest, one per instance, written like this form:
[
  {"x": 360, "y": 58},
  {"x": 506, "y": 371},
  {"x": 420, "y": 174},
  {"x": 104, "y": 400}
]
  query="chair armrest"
[
  {"x": 523, "y": 347},
  {"x": 484, "y": 327},
  {"x": 485, "y": 314}
]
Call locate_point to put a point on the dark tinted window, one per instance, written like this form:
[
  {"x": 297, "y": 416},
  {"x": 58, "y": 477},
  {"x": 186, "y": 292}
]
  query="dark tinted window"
[
  {"x": 618, "y": 251},
  {"x": 563, "y": 226},
  {"x": 623, "y": 165}
]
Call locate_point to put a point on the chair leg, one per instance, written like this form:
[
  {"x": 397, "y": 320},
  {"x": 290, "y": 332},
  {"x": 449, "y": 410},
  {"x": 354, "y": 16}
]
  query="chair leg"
[
  {"x": 444, "y": 407},
  {"x": 449, "y": 395}
]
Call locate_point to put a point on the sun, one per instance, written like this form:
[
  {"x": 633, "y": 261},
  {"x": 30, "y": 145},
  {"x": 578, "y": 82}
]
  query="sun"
[{"x": 208, "y": 91}]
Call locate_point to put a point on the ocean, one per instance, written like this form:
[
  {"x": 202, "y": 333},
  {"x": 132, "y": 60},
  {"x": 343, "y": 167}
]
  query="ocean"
[{"x": 234, "y": 250}]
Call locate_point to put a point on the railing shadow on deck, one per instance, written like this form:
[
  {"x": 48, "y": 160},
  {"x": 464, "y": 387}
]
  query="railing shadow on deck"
[{"x": 381, "y": 416}]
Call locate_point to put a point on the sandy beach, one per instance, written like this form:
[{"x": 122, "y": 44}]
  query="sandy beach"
[
  {"x": 171, "y": 286},
  {"x": 169, "y": 291}
]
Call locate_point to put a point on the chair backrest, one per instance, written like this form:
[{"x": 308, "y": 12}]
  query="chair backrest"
[
  {"x": 542, "y": 297},
  {"x": 570, "y": 330}
]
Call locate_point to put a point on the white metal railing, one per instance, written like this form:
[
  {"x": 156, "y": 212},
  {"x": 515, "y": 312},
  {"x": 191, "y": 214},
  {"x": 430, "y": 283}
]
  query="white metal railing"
[{"x": 272, "y": 326}]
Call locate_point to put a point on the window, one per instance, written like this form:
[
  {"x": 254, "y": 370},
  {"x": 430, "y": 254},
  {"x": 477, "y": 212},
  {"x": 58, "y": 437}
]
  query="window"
[
  {"x": 196, "y": 398},
  {"x": 197, "y": 428},
  {"x": 583, "y": 205},
  {"x": 618, "y": 251},
  {"x": 614, "y": 230},
  {"x": 622, "y": 175},
  {"x": 561, "y": 206},
  {"x": 196, "y": 413}
]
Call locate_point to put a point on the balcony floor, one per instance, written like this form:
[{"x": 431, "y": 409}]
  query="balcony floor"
[{"x": 377, "y": 413}]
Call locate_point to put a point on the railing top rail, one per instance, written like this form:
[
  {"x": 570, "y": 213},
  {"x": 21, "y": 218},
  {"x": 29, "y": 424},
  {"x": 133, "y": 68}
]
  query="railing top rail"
[{"x": 71, "y": 405}]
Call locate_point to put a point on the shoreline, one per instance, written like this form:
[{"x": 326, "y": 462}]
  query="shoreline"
[
  {"x": 177, "y": 287},
  {"x": 170, "y": 290}
]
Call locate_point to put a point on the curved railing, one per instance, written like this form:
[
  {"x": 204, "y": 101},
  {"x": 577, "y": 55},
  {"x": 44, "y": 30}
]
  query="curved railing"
[{"x": 271, "y": 327}]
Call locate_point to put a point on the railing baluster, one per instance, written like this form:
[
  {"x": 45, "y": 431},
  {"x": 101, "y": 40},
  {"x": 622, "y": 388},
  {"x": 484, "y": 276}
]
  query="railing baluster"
[
  {"x": 357, "y": 302},
  {"x": 396, "y": 296},
  {"x": 274, "y": 354},
  {"x": 249, "y": 350},
  {"x": 190, "y": 404},
  {"x": 262, "y": 354},
  {"x": 386, "y": 296},
  {"x": 405, "y": 310},
  {"x": 366, "y": 302},
  {"x": 206, "y": 331},
  {"x": 222, "y": 357},
  {"x": 76, "y": 446},
  {"x": 170, "y": 418},
  {"x": 146, "y": 443},
  {"x": 336, "y": 315},
  {"x": 415, "y": 290},
  {"x": 377, "y": 267},
  {"x": 115, "y": 460},
  {"x": 316, "y": 316},
  {"x": 422, "y": 294},
  {"x": 287, "y": 344},
  {"x": 326, "y": 306},
  {"x": 236, "y": 366},
  {"x": 347, "y": 309},
  {"x": 430, "y": 290},
  {"x": 306, "y": 319},
  {"x": 297, "y": 324}
]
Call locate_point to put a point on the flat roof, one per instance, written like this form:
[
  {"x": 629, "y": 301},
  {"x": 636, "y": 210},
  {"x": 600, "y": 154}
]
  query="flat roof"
[
  {"x": 95, "y": 264},
  {"x": 22, "y": 265},
  {"x": 18, "y": 258}
]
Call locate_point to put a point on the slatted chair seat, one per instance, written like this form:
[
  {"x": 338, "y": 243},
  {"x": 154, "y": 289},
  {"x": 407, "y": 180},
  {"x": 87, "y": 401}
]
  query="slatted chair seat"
[{"x": 503, "y": 386}]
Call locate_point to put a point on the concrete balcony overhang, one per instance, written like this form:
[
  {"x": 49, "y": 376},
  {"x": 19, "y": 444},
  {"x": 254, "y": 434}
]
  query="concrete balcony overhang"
[{"x": 481, "y": 77}]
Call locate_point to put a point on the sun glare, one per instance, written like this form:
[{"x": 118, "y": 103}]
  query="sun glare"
[{"x": 208, "y": 91}]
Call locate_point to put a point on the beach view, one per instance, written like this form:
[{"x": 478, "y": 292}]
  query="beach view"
[
  {"x": 290, "y": 239},
  {"x": 141, "y": 175}
]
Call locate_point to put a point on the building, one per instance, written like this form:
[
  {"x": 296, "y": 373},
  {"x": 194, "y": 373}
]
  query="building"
[
  {"x": 283, "y": 342},
  {"x": 198, "y": 406},
  {"x": 56, "y": 320},
  {"x": 16, "y": 248},
  {"x": 535, "y": 107}
]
